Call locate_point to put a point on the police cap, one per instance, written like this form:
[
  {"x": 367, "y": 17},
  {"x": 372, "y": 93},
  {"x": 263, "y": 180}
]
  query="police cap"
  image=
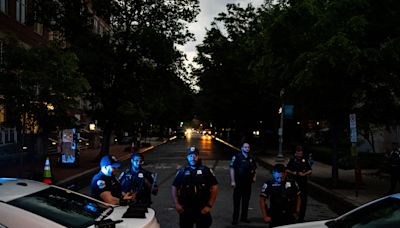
[{"x": 193, "y": 150}]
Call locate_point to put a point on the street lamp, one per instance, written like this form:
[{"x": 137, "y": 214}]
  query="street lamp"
[{"x": 279, "y": 157}]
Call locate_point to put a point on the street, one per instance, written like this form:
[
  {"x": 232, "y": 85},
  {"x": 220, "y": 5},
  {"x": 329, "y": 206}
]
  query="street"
[{"x": 167, "y": 158}]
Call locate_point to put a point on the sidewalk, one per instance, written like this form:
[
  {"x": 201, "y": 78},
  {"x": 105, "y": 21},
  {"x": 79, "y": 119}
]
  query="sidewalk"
[
  {"x": 373, "y": 186},
  {"x": 64, "y": 176}
]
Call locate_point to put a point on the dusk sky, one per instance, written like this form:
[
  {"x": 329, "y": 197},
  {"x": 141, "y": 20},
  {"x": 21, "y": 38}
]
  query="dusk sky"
[{"x": 209, "y": 10}]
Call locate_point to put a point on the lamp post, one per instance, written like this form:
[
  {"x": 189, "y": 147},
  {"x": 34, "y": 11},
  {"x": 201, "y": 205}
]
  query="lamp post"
[{"x": 279, "y": 157}]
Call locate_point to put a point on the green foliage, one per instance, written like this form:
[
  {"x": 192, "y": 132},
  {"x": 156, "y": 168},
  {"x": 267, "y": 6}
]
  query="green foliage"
[
  {"x": 331, "y": 57},
  {"x": 32, "y": 79}
]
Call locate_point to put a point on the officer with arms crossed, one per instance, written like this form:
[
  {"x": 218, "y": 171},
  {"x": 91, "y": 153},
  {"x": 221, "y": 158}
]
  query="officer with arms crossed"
[
  {"x": 243, "y": 173},
  {"x": 284, "y": 198},
  {"x": 298, "y": 169},
  {"x": 105, "y": 186},
  {"x": 194, "y": 191},
  {"x": 139, "y": 181}
]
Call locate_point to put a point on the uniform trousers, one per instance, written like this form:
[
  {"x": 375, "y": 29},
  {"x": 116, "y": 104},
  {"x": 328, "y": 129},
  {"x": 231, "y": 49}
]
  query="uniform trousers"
[
  {"x": 241, "y": 193},
  {"x": 281, "y": 219},
  {"x": 189, "y": 217}
]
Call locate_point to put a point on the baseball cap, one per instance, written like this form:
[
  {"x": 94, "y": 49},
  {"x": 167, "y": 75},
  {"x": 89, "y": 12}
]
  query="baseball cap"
[
  {"x": 110, "y": 160},
  {"x": 193, "y": 150}
]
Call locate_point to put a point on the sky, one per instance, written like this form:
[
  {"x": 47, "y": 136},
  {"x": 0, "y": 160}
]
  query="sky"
[{"x": 209, "y": 10}]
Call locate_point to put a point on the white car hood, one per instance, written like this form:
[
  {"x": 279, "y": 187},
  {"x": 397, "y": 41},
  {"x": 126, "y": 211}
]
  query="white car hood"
[
  {"x": 149, "y": 222},
  {"x": 315, "y": 224}
]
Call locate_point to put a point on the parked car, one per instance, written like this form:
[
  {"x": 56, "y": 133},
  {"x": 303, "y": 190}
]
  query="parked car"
[
  {"x": 28, "y": 203},
  {"x": 383, "y": 212}
]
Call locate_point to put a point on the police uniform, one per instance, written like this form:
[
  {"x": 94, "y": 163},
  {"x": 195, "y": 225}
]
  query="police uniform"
[
  {"x": 102, "y": 183},
  {"x": 245, "y": 170},
  {"x": 140, "y": 182},
  {"x": 282, "y": 197},
  {"x": 297, "y": 165},
  {"x": 394, "y": 159},
  {"x": 193, "y": 184}
]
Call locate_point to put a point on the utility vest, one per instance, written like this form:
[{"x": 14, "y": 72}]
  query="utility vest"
[{"x": 194, "y": 191}]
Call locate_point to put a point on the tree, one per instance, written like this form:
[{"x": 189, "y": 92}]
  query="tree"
[
  {"x": 39, "y": 86},
  {"x": 229, "y": 93},
  {"x": 135, "y": 55}
]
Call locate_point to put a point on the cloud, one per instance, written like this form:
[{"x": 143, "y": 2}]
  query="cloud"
[{"x": 209, "y": 10}]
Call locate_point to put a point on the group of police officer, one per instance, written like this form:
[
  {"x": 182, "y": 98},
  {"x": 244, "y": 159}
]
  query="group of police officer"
[{"x": 195, "y": 187}]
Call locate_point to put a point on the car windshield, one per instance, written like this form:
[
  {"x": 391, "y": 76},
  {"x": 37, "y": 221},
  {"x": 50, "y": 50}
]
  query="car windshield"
[
  {"x": 384, "y": 213},
  {"x": 62, "y": 206}
]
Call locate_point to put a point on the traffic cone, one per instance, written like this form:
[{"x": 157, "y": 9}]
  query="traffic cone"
[{"x": 47, "y": 172}]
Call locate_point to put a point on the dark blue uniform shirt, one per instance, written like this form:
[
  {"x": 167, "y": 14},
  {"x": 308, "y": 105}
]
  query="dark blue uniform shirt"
[
  {"x": 140, "y": 182},
  {"x": 245, "y": 168},
  {"x": 194, "y": 185},
  {"x": 102, "y": 183}
]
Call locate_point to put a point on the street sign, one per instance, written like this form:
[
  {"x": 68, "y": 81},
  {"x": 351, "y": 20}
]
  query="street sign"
[
  {"x": 288, "y": 111},
  {"x": 352, "y": 118},
  {"x": 353, "y": 128}
]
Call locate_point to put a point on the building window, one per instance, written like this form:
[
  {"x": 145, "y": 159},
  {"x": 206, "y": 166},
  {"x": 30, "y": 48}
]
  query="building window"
[
  {"x": 4, "y": 6},
  {"x": 21, "y": 11}
]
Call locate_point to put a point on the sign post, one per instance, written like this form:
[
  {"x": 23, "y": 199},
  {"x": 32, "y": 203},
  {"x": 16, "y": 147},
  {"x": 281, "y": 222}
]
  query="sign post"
[{"x": 354, "y": 151}]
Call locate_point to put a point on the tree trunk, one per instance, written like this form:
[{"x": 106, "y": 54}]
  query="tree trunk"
[
  {"x": 105, "y": 144},
  {"x": 335, "y": 139}
]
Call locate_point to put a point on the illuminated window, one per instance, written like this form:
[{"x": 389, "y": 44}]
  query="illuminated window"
[
  {"x": 38, "y": 28},
  {"x": 20, "y": 11},
  {"x": 4, "y": 6},
  {"x": 2, "y": 114}
]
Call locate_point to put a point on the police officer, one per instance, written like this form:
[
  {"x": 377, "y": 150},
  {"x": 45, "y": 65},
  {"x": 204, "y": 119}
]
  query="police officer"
[
  {"x": 394, "y": 160},
  {"x": 138, "y": 180},
  {"x": 284, "y": 198},
  {"x": 194, "y": 191},
  {"x": 105, "y": 186},
  {"x": 243, "y": 173},
  {"x": 299, "y": 169}
]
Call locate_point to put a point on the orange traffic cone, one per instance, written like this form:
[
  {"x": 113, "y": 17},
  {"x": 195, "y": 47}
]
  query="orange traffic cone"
[{"x": 47, "y": 172}]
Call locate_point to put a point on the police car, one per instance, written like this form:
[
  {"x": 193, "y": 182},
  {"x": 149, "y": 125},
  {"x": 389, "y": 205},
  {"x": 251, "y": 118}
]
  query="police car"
[
  {"x": 383, "y": 212},
  {"x": 27, "y": 203}
]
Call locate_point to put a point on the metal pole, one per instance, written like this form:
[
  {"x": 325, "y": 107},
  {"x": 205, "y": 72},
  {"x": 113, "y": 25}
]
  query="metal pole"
[{"x": 279, "y": 157}]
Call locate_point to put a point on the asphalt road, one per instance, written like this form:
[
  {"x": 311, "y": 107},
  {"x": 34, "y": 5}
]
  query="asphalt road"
[{"x": 167, "y": 158}]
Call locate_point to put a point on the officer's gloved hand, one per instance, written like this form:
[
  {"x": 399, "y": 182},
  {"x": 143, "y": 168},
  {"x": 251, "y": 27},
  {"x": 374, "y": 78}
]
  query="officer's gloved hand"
[
  {"x": 179, "y": 208},
  {"x": 267, "y": 219}
]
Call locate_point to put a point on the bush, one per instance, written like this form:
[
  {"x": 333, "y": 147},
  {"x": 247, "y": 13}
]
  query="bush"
[{"x": 346, "y": 160}]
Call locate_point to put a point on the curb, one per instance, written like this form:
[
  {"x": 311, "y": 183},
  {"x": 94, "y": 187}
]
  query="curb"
[{"x": 80, "y": 179}]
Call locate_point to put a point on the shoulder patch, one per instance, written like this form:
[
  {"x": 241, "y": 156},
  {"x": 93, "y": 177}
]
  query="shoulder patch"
[
  {"x": 101, "y": 184},
  {"x": 233, "y": 160},
  {"x": 265, "y": 186}
]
